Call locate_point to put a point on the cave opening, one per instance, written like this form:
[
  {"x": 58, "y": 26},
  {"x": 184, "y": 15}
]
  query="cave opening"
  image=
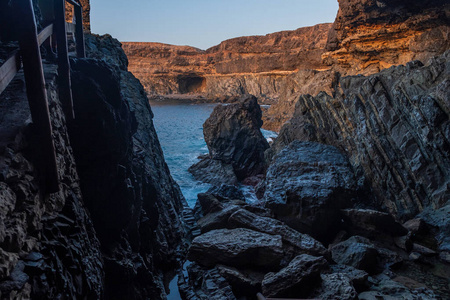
[{"x": 191, "y": 84}]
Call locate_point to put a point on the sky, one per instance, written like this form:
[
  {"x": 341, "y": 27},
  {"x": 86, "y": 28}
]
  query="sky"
[{"x": 204, "y": 23}]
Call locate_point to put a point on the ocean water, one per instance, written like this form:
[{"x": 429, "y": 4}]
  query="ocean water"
[{"x": 180, "y": 131}]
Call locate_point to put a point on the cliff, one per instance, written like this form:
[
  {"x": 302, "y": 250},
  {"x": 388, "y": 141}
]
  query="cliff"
[
  {"x": 369, "y": 36},
  {"x": 247, "y": 64},
  {"x": 114, "y": 229},
  {"x": 394, "y": 127}
]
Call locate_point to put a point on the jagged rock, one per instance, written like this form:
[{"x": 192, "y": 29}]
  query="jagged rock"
[
  {"x": 357, "y": 252},
  {"x": 303, "y": 243},
  {"x": 306, "y": 184},
  {"x": 213, "y": 171},
  {"x": 371, "y": 223},
  {"x": 391, "y": 290},
  {"x": 243, "y": 282},
  {"x": 358, "y": 278},
  {"x": 336, "y": 286},
  {"x": 373, "y": 123},
  {"x": 233, "y": 136},
  {"x": 217, "y": 220},
  {"x": 226, "y": 192},
  {"x": 209, "y": 203},
  {"x": 237, "y": 247},
  {"x": 297, "y": 279},
  {"x": 134, "y": 203},
  {"x": 440, "y": 219},
  {"x": 207, "y": 284}
]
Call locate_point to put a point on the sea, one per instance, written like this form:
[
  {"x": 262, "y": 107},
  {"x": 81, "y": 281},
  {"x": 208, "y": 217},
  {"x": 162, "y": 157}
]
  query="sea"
[{"x": 179, "y": 126}]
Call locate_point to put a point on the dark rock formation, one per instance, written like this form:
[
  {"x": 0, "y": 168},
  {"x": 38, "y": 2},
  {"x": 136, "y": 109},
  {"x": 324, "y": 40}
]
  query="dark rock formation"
[
  {"x": 238, "y": 247},
  {"x": 232, "y": 134},
  {"x": 302, "y": 243},
  {"x": 336, "y": 286},
  {"x": 356, "y": 252},
  {"x": 134, "y": 203},
  {"x": 296, "y": 280},
  {"x": 306, "y": 185},
  {"x": 48, "y": 245},
  {"x": 395, "y": 128}
]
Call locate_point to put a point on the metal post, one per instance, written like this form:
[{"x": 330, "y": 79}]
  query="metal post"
[
  {"x": 65, "y": 89},
  {"x": 79, "y": 35},
  {"x": 36, "y": 92}
]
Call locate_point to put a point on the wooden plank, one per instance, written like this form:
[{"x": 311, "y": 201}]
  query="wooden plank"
[
  {"x": 64, "y": 84},
  {"x": 79, "y": 35},
  {"x": 70, "y": 27},
  {"x": 8, "y": 70},
  {"x": 45, "y": 34},
  {"x": 74, "y": 3},
  {"x": 36, "y": 93}
]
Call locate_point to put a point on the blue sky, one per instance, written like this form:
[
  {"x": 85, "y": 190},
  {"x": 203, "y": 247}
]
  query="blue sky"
[{"x": 204, "y": 23}]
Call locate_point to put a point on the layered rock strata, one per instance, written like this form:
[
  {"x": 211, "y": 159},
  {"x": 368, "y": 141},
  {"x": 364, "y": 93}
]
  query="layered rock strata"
[{"x": 394, "y": 126}]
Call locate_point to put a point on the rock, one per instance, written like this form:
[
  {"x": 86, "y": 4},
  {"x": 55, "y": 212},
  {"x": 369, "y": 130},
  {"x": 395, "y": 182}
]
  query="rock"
[
  {"x": 391, "y": 290},
  {"x": 217, "y": 220},
  {"x": 297, "y": 279},
  {"x": 303, "y": 243},
  {"x": 356, "y": 252},
  {"x": 209, "y": 203},
  {"x": 371, "y": 223},
  {"x": 214, "y": 172},
  {"x": 336, "y": 286},
  {"x": 358, "y": 278},
  {"x": 237, "y": 247},
  {"x": 232, "y": 134},
  {"x": 306, "y": 184},
  {"x": 207, "y": 284},
  {"x": 440, "y": 219},
  {"x": 370, "y": 121},
  {"x": 226, "y": 192},
  {"x": 243, "y": 282}
]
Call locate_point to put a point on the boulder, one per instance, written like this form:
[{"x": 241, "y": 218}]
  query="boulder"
[
  {"x": 358, "y": 278},
  {"x": 243, "y": 282},
  {"x": 336, "y": 286},
  {"x": 233, "y": 136},
  {"x": 213, "y": 171},
  {"x": 306, "y": 185},
  {"x": 226, "y": 192},
  {"x": 439, "y": 219},
  {"x": 392, "y": 290},
  {"x": 357, "y": 252},
  {"x": 237, "y": 247},
  {"x": 371, "y": 223},
  {"x": 217, "y": 220},
  {"x": 206, "y": 284},
  {"x": 295, "y": 280},
  {"x": 302, "y": 243}
]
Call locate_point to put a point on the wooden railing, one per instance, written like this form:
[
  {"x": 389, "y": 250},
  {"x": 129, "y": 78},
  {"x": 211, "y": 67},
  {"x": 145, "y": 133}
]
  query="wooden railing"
[{"x": 29, "y": 56}]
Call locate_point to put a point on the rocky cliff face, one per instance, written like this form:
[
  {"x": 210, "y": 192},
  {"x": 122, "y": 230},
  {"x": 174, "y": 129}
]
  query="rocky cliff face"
[
  {"x": 237, "y": 66},
  {"x": 395, "y": 128},
  {"x": 114, "y": 229},
  {"x": 369, "y": 36}
]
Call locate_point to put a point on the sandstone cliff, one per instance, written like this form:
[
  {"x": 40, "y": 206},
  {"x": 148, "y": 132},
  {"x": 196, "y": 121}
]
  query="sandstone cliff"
[{"x": 254, "y": 64}]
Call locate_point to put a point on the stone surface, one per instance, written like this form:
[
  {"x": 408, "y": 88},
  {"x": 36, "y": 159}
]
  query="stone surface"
[
  {"x": 134, "y": 203},
  {"x": 217, "y": 220},
  {"x": 296, "y": 280},
  {"x": 243, "y": 282},
  {"x": 237, "y": 247},
  {"x": 336, "y": 286},
  {"x": 391, "y": 290},
  {"x": 394, "y": 127},
  {"x": 302, "y": 243},
  {"x": 356, "y": 252},
  {"x": 371, "y": 35},
  {"x": 254, "y": 64},
  {"x": 232, "y": 134},
  {"x": 371, "y": 223},
  {"x": 440, "y": 219},
  {"x": 306, "y": 185}
]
